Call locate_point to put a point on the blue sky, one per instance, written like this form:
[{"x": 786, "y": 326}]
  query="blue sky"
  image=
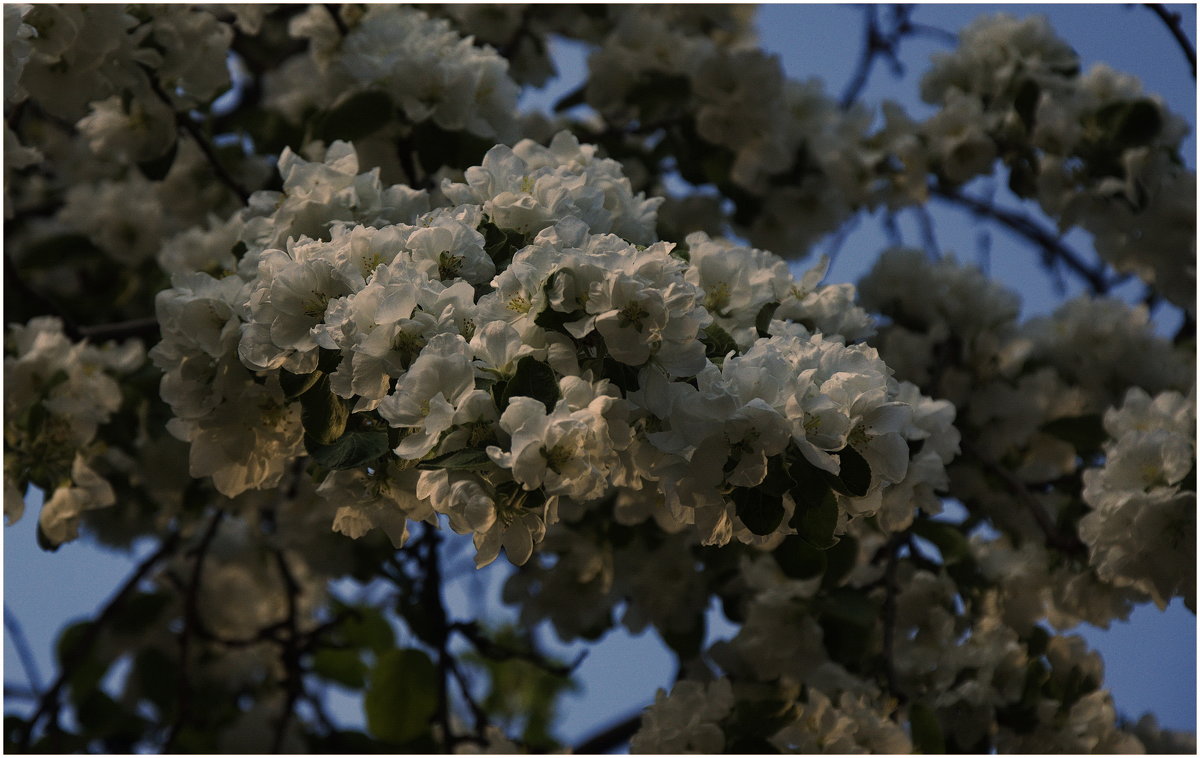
[{"x": 1150, "y": 661}]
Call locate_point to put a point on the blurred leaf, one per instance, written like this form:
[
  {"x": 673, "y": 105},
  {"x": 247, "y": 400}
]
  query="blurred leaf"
[
  {"x": 355, "y": 116},
  {"x": 1086, "y": 433},
  {"x": 156, "y": 169},
  {"x": 323, "y": 413},
  {"x": 351, "y": 450},
  {"x": 295, "y": 385},
  {"x": 762, "y": 322},
  {"x": 342, "y": 666},
  {"x": 926, "y": 731},
  {"x": 717, "y": 343},
  {"x": 854, "y": 478},
  {"x": 759, "y": 511},
  {"x": 950, "y": 542},
  {"x": 401, "y": 698},
  {"x": 534, "y": 379},
  {"x": 798, "y": 559},
  {"x": 467, "y": 459}
]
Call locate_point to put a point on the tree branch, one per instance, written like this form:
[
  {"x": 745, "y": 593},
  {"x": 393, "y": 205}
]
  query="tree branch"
[
  {"x": 183, "y": 121},
  {"x": 293, "y": 682},
  {"x": 190, "y": 618},
  {"x": 1068, "y": 543},
  {"x": 1053, "y": 247},
  {"x": 17, "y": 636},
  {"x": 1175, "y": 24},
  {"x": 49, "y": 700},
  {"x": 611, "y": 737},
  {"x": 891, "y": 587},
  {"x": 146, "y": 328}
]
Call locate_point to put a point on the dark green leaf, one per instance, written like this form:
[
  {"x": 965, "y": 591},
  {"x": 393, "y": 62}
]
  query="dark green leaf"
[
  {"x": 926, "y": 731},
  {"x": 762, "y": 322},
  {"x": 816, "y": 525},
  {"x": 467, "y": 459},
  {"x": 140, "y": 611},
  {"x": 1026, "y": 101},
  {"x": 401, "y": 698},
  {"x": 342, "y": 666},
  {"x": 355, "y": 116},
  {"x": 717, "y": 343},
  {"x": 295, "y": 385},
  {"x": 156, "y": 169},
  {"x": 1138, "y": 124},
  {"x": 577, "y": 96},
  {"x": 351, "y": 450},
  {"x": 798, "y": 559},
  {"x": 840, "y": 561},
  {"x": 850, "y": 606},
  {"x": 950, "y": 542},
  {"x": 854, "y": 478},
  {"x": 760, "y": 512},
  {"x": 323, "y": 413},
  {"x": 1085, "y": 432},
  {"x": 367, "y": 627},
  {"x": 534, "y": 379}
]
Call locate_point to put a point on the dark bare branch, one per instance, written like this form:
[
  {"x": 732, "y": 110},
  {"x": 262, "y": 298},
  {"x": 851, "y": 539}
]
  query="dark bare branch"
[{"x": 1174, "y": 23}]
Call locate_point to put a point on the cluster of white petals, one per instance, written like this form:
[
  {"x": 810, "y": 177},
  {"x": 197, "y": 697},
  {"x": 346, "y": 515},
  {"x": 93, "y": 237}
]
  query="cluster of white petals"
[{"x": 1141, "y": 531}]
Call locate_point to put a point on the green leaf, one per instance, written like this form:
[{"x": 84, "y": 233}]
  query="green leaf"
[
  {"x": 342, "y": 666},
  {"x": 717, "y": 343},
  {"x": 854, "y": 478},
  {"x": 577, "y": 96},
  {"x": 762, "y": 322},
  {"x": 467, "y": 459},
  {"x": 534, "y": 379},
  {"x": 367, "y": 627},
  {"x": 950, "y": 542},
  {"x": 816, "y": 524},
  {"x": 140, "y": 612},
  {"x": 1086, "y": 433},
  {"x": 1025, "y": 102},
  {"x": 1138, "y": 123},
  {"x": 351, "y": 450},
  {"x": 816, "y": 515},
  {"x": 926, "y": 731},
  {"x": 759, "y": 511},
  {"x": 323, "y": 413},
  {"x": 295, "y": 385},
  {"x": 156, "y": 169},
  {"x": 798, "y": 559},
  {"x": 355, "y": 116},
  {"x": 401, "y": 698},
  {"x": 849, "y": 606},
  {"x": 840, "y": 561}
]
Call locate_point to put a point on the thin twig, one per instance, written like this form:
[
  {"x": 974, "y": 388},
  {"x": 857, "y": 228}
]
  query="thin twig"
[
  {"x": 431, "y": 591},
  {"x": 1031, "y": 230},
  {"x": 891, "y": 587},
  {"x": 49, "y": 700},
  {"x": 17, "y": 636},
  {"x": 1068, "y": 543},
  {"x": 185, "y": 122},
  {"x": 496, "y": 652},
  {"x": 1175, "y": 24},
  {"x": 610, "y": 737},
  {"x": 190, "y": 616},
  {"x": 137, "y": 327},
  {"x": 290, "y": 654}
]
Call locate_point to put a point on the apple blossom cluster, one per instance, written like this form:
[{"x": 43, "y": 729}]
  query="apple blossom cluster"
[
  {"x": 902, "y": 495},
  {"x": 57, "y": 394},
  {"x": 426, "y": 68},
  {"x": 1100, "y": 154},
  {"x": 485, "y": 360},
  {"x": 1141, "y": 531}
]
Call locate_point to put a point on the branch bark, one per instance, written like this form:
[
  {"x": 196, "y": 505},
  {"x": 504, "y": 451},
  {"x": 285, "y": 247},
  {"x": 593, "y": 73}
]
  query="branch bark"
[
  {"x": 49, "y": 701},
  {"x": 1174, "y": 24}
]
